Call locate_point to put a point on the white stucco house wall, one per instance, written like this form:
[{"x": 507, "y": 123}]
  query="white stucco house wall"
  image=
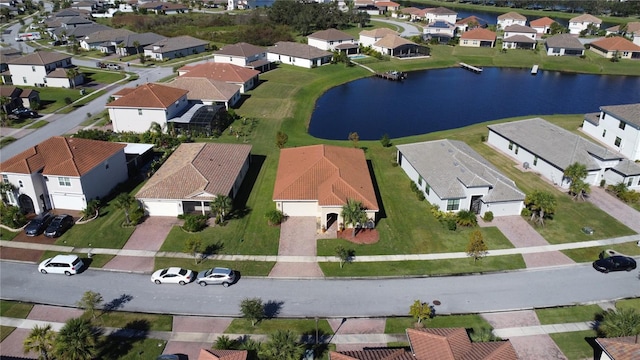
[
  {"x": 193, "y": 176},
  {"x": 42, "y": 68},
  {"x": 519, "y": 37},
  {"x": 176, "y": 47},
  {"x": 618, "y": 127},
  {"x": 135, "y": 109},
  {"x": 547, "y": 149},
  {"x": 580, "y": 23},
  {"x": 564, "y": 44},
  {"x": 329, "y": 39},
  {"x": 64, "y": 173},
  {"x": 243, "y": 54},
  {"x": 455, "y": 177},
  {"x": 440, "y": 14},
  {"x": 511, "y": 18},
  {"x": 370, "y": 37},
  {"x": 297, "y": 54}
]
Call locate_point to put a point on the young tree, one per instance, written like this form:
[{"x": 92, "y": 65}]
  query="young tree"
[
  {"x": 575, "y": 175},
  {"x": 476, "y": 246},
  {"x": 421, "y": 311},
  {"x": 344, "y": 255},
  {"x": 281, "y": 139},
  {"x": 76, "y": 340},
  {"x": 40, "y": 340},
  {"x": 620, "y": 322},
  {"x": 90, "y": 302},
  {"x": 125, "y": 201},
  {"x": 385, "y": 141},
  {"x": 354, "y": 138},
  {"x": 542, "y": 204},
  {"x": 193, "y": 245},
  {"x": 282, "y": 345},
  {"x": 353, "y": 213},
  {"x": 252, "y": 309}
]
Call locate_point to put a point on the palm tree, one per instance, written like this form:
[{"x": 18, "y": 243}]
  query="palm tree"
[
  {"x": 124, "y": 201},
  {"x": 541, "y": 204},
  {"x": 282, "y": 345},
  {"x": 353, "y": 213},
  {"x": 575, "y": 174},
  {"x": 223, "y": 342},
  {"x": 76, "y": 340},
  {"x": 620, "y": 322},
  {"x": 71, "y": 75},
  {"x": 136, "y": 44},
  {"x": 221, "y": 206},
  {"x": 40, "y": 340}
]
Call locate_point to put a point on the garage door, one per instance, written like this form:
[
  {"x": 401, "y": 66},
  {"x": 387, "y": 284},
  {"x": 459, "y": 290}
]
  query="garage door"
[
  {"x": 293, "y": 208},
  {"x": 162, "y": 208},
  {"x": 68, "y": 201}
]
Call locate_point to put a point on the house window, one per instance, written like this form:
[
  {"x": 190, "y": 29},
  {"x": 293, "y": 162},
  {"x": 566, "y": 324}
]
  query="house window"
[
  {"x": 618, "y": 141},
  {"x": 630, "y": 182},
  {"x": 465, "y": 42},
  {"x": 453, "y": 204},
  {"x": 139, "y": 111},
  {"x": 510, "y": 145},
  {"x": 24, "y": 79},
  {"x": 625, "y": 54},
  {"x": 535, "y": 161},
  {"x": 517, "y": 148},
  {"x": 5, "y": 179},
  {"x": 64, "y": 181},
  {"x": 427, "y": 188},
  {"x": 604, "y": 132},
  {"x": 33, "y": 68},
  {"x": 622, "y": 125},
  {"x": 420, "y": 180}
]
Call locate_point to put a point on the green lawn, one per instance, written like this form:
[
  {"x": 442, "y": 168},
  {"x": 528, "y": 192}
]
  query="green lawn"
[
  {"x": 52, "y": 99},
  {"x": 591, "y": 253},
  {"x": 15, "y": 309},
  {"x": 96, "y": 261},
  {"x": 568, "y": 314},
  {"x": 139, "y": 321},
  {"x": 5, "y": 331},
  {"x": 245, "y": 268},
  {"x": 628, "y": 303},
  {"x": 268, "y": 326},
  {"x": 574, "y": 345},
  {"x": 398, "y": 325},
  {"x": 118, "y": 348},
  {"x": 101, "y": 76},
  {"x": 7, "y": 235}
]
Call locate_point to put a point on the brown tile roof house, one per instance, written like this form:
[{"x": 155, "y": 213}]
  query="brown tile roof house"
[
  {"x": 608, "y": 47},
  {"x": 40, "y": 58},
  {"x": 586, "y": 18},
  {"x": 207, "y": 90},
  {"x": 328, "y": 174},
  {"x": 393, "y": 42},
  {"x": 441, "y": 344},
  {"x": 225, "y": 72},
  {"x": 378, "y": 33},
  {"x": 298, "y": 50},
  {"x": 215, "y": 354},
  {"x": 620, "y": 348},
  {"x": 633, "y": 27},
  {"x": 519, "y": 29},
  {"x": 542, "y": 22},
  {"x": 62, "y": 156},
  {"x": 512, "y": 15},
  {"x": 479, "y": 34},
  {"x": 196, "y": 172},
  {"x": 153, "y": 96},
  {"x": 330, "y": 35}
]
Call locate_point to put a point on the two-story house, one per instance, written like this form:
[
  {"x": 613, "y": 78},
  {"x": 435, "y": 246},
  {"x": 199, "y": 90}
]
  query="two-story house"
[
  {"x": 519, "y": 37},
  {"x": 43, "y": 68},
  {"x": 332, "y": 39},
  {"x": 243, "y": 77},
  {"x": 617, "y": 126},
  {"x": 243, "y": 54},
  {"x": 511, "y": 18},
  {"x": 582, "y": 22},
  {"x": 440, "y": 14}
]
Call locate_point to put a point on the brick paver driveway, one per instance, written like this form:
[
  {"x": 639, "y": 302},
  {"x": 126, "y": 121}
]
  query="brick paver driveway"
[
  {"x": 616, "y": 208},
  {"x": 297, "y": 238}
]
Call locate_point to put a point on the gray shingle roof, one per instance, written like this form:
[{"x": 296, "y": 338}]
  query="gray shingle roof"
[
  {"x": 519, "y": 39},
  {"x": 520, "y": 29},
  {"x": 627, "y": 167},
  {"x": 175, "y": 43},
  {"x": 241, "y": 49},
  {"x": 554, "y": 144},
  {"x": 566, "y": 41},
  {"x": 298, "y": 50},
  {"x": 450, "y": 166},
  {"x": 628, "y": 113},
  {"x": 330, "y": 35},
  {"x": 593, "y": 118}
]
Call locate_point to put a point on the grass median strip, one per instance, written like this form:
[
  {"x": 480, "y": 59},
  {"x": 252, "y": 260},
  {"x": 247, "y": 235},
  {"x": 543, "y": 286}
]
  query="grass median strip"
[
  {"x": 268, "y": 326},
  {"x": 398, "y": 325},
  {"x": 245, "y": 268}
]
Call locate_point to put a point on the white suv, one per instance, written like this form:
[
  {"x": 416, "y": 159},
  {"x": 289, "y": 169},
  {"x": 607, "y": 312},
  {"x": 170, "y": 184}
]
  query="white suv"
[{"x": 61, "y": 264}]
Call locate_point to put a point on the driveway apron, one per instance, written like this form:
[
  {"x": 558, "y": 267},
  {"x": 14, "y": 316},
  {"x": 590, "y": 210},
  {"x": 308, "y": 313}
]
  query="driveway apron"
[
  {"x": 616, "y": 208},
  {"x": 297, "y": 238},
  {"x": 150, "y": 236},
  {"x": 357, "y": 326}
]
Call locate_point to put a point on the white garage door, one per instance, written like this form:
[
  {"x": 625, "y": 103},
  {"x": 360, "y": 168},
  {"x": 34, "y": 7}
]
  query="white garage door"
[
  {"x": 162, "y": 208},
  {"x": 68, "y": 201},
  {"x": 299, "y": 208}
]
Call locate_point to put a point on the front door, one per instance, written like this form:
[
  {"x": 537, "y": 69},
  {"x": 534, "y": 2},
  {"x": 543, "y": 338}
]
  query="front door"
[
  {"x": 26, "y": 204},
  {"x": 476, "y": 203}
]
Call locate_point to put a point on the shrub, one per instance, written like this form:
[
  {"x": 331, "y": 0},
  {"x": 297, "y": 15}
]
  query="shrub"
[
  {"x": 488, "y": 216},
  {"x": 413, "y": 186},
  {"x": 11, "y": 216},
  {"x": 602, "y": 183},
  {"x": 420, "y": 195},
  {"x": 68, "y": 100},
  {"x": 136, "y": 215},
  {"x": 194, "y": 223},
  {"x": 274, "y": 217},
  {"x": 466, "y": 218},
  {"x": 385, "y": 141},
  {"x": 451, "y": 224},
  {"x": 525, "y": 212}
]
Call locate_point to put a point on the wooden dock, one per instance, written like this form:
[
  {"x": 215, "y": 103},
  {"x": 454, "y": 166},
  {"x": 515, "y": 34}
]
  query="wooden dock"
[
  {"x": 534, "y": 70},
  {"x": 477, "y": 70},
  {"x": 392, "y": 75}
]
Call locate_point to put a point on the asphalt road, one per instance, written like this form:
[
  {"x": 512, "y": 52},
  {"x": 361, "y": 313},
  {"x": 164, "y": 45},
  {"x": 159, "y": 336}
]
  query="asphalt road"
[{"x": 327, "y": 298}]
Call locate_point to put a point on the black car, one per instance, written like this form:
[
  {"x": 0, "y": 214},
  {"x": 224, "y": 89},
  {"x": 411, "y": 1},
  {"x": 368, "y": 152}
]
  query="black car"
[
  {"x": 59, "y": 225},
  {"x": 614, "y": 263},
  {"x": 24, "y": 113},
  {"x": 37, "y": 225}
]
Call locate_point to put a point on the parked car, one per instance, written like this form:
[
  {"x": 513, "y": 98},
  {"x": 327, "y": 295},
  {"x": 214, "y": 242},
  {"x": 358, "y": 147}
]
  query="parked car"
[
  {"x": 216, "y": 276},
  {"x": 614, "y": 263},
  {"x": 24, "y": 113},
  {"x": 113, "y": 66},
  {"x": 61, "y": 264},
  {"x": 37, "y": 225},
  {"x": 59, "y": 225},
  {"x": 172, "y": 275}
]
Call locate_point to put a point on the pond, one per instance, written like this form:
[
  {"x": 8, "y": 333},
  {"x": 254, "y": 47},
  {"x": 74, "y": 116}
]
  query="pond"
[{"x": 434, "y": 100}]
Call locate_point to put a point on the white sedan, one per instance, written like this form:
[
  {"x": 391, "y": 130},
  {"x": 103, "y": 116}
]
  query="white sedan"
[{"x": 172, "y": 275}]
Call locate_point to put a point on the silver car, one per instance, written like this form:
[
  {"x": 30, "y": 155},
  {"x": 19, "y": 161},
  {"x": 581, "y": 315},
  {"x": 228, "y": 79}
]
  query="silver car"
[{"x": 216, "y": 276}]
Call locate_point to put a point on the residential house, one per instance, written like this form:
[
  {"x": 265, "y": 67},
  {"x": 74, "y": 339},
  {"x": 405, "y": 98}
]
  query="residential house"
[
  {"x": 318, "y": 181},
  {"x": 616, "y": 46},
  {"x": 203, "y": 90},
  {"x": 548, "y": 149},
  {"x": 297, "y": 54},
  {"x": 103, "y": 40},
  {"x": 175, "y": 47},
  {"x": 631, "y": 30},
  {"x": 64, "y": 173},
  {"x": 370, "y": 37},
  {"x": 387, "y": 7},
  {"x": 243, "y": 54},
  {"x": 437, "y": 343},
  {"x": 332, "y": 39},
  {"x": 77, "y": 32},
  {"x": 6, "y": 54},
  {"x": 18, "y": 98},
  {"x": 243, "y": 77},
  {"x": 519, "y": 37},
  {"x": 582, "y": 22},
  {"x": 367, "y": 6},
  {"x": 454, "y": 177},
  {"x": 617, "y": 348},
  {"x": 193, "y": 176},
  {"x": 511, "y": 18},
  {"x": 411, "y": 13},
  {"x": 470, "y": 23},
  {"x": 215, "y": 354},
  {"x": 478, "y": 37},
  {"x": 166, "y": 8},
  {"x": 131, "y": 44},
  {"x": 396, "y": 46},
  {"x": 441, "y": 30},
  {"x": 440, "y": 14},
  {"x": 543, "y": 25},
  {"x": 564, "y": 44},
  {"x": 42, "y": 68},
  {"x": 85, "y": 5},
  {"x": 617, "y": 126},
  {"x": 135, "y": 109}
]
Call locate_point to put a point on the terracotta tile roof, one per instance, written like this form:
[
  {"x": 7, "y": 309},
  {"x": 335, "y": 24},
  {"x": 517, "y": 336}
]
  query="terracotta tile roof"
[
  {"x": 441, "y": 11},
  {"x": 393, "y": 42},
  {"x": 298, "y": 50},
  {"x": 153, "y": 96},
  {"x": 471, "y": 19},
  {"x": 220, "y": 72},
  {"x": 175, "y": 43},
  {"x": 387, "y": 3},
  {"x": 200, "y": 170},
  {"x": 241, "y": 49},
  {"x": 330, "y": 35},
  {"x": 586, "y": 18},
  {"x": 123, "y": 92},
  {"x": 214, "y": 354},
  {"x": 372, "y": 354},
  {"x": 616, "y": 43},
  {"x": 328, "y": 174},
  {"x": 39, "y": 58},
  {"x": 633, "y": 27},
  {"x": 512, "y": 15},
  {"x": 378, "y": 33},
  {"x": 62, "y": 156},
  {"x": 57, "y": 73},
  {"x": 542, "y": 22},
  {"x": 200, "y": 88},
  {"x": 621, "y": 348},
  {"x": 409, "y": 10},
  {"x": 479, "y": 34},
  {"x": 454, "y": 344}
]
